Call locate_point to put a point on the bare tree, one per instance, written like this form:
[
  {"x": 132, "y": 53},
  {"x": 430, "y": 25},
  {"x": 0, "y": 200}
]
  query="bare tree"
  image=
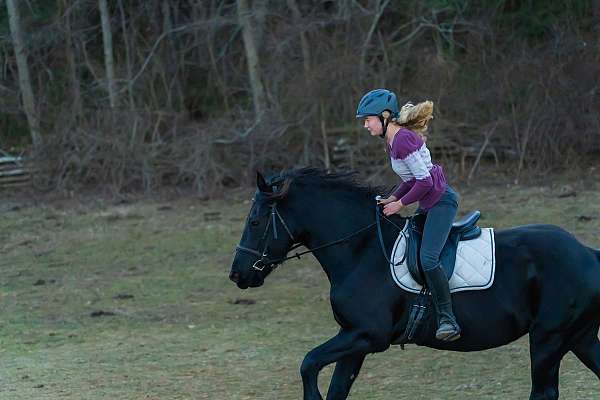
[
  {"x": 596, "y": 14},
  {"x": 297, "y": 15},
  {"x": 171, "y": 61},
  {"x": 252, "y": 58},
  {"x": 185, "y": 73},
  {"x": 23, "y": 68},
  {"x": 293, "y": 6},
  {"x": 218, "y": 73},
  {"x": 70, "y": 57},
  {"x": 108, "y": 53},
  {"x": 128, "y": 55},
  {"x": 381, "y": 5}
]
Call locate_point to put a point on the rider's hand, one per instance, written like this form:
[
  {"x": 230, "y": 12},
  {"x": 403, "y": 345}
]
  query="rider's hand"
[
  {"x": 390, "y": 199},
  {"x": 393, "y": 208}
]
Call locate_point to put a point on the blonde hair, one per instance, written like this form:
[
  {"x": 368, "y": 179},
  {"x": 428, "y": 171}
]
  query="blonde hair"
[{"x": 416, "y": 117}]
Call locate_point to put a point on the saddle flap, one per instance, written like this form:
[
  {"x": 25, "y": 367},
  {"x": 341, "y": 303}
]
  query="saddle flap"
[{"x": 474, "y": 264}]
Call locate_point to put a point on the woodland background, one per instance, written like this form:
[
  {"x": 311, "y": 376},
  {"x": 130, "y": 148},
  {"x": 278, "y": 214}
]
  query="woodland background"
[{"x": 139, "y": 95}]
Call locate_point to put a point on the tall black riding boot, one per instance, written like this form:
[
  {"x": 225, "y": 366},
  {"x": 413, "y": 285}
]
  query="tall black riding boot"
[{"x": 437, "y": 283}]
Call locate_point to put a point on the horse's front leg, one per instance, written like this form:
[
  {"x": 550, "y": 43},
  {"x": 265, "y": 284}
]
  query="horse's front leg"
[
  {"x": 344, "y": 344},
  {"x": 546, "y": 351},
  {"x": 346, "y": 372}
]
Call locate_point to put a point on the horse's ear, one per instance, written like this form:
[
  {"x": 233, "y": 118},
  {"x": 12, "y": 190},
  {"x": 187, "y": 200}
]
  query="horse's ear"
[{"x": 261, "y": 183}]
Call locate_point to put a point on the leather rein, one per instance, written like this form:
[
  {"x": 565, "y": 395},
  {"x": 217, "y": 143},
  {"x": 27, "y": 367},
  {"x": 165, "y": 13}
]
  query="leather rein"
[{"x": 264, "y": 261}]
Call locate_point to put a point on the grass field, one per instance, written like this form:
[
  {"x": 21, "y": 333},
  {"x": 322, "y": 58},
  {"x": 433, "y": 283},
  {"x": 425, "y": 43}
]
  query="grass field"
[{"x": 133, "y": 301}]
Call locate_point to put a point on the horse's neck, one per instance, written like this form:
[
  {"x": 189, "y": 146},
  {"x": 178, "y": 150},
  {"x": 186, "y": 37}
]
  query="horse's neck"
[
  {"x": 328, "y": 221},
  {"x": 331, "y": 218}
]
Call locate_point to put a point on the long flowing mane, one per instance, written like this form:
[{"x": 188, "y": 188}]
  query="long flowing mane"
[{"x": 319, "y": 178}]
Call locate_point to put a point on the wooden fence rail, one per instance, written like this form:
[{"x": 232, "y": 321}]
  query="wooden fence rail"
[{"x": 13, "y": 172}]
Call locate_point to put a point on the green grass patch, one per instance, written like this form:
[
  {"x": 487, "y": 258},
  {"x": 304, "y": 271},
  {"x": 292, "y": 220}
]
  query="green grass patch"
[{"x": 167, "y": 325}]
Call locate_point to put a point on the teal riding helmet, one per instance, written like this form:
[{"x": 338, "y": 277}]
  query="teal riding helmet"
[{"x": 376, "y": 102}]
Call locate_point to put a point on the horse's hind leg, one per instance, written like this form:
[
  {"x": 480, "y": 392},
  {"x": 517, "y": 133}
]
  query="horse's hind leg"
[
  {"x": 546, "y": 351},
  {"x": 588, "y": 351}
]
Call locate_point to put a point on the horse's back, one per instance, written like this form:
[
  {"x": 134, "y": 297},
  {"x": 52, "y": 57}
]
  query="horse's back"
[
  {"x": 546, "y": 243},
  {"x": 551, "y": 260}
]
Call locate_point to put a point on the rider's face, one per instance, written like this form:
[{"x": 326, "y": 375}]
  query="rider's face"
[{"x": 373, "y": 125}]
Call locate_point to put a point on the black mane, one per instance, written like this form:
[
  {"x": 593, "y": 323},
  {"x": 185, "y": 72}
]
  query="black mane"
[{"x": 317, "y": 177}]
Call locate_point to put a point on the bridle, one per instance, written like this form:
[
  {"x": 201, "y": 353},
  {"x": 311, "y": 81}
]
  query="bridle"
[{"x": 264, "y": 261}]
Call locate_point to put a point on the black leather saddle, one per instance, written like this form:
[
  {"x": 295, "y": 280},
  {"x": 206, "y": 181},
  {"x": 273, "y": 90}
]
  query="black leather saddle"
[{"x": 464, "y": 229}]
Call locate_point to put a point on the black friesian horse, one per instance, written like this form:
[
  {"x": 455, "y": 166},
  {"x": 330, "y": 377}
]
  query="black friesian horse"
[{"x": 547, "y": 283}]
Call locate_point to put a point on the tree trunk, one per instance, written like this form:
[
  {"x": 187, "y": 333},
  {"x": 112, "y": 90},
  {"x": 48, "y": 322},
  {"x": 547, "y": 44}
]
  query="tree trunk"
[
  {"x": 293, "y": 6},
  {"x": 70, "y": 57},
  {"x": 171, "y": 61},
  {"x": 219, "y": 80},
  {"x": 23, "y": 70},
  {"x": 259, "y": 15},
  {"x": 128, "y": 56},
  {"x": 381, "y": 5},
  {"x": 252, "y": 58},
  {"x": 596, "y": 24},
  {"x": 108, "y": 53}
]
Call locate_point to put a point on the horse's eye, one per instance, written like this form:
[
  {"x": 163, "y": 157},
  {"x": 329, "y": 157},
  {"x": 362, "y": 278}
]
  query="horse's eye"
[{"x": 254, "y": 223}]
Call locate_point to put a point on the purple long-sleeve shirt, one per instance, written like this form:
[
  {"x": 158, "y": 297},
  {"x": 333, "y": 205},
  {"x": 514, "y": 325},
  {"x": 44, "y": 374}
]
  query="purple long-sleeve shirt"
[{"x": 422, "y": 180}]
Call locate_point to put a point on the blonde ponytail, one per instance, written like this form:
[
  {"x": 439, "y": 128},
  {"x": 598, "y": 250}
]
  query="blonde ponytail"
[{"x": 416, "y": 117}]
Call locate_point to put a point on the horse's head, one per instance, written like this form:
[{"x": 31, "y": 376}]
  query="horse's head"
[{"x": 267, "y": 236}]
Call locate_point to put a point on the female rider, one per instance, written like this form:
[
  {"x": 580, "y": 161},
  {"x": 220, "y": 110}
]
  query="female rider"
[{"x": 421, "y": 181}]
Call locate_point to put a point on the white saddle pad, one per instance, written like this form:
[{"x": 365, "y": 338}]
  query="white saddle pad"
[{"x": 473, "y": 270}]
